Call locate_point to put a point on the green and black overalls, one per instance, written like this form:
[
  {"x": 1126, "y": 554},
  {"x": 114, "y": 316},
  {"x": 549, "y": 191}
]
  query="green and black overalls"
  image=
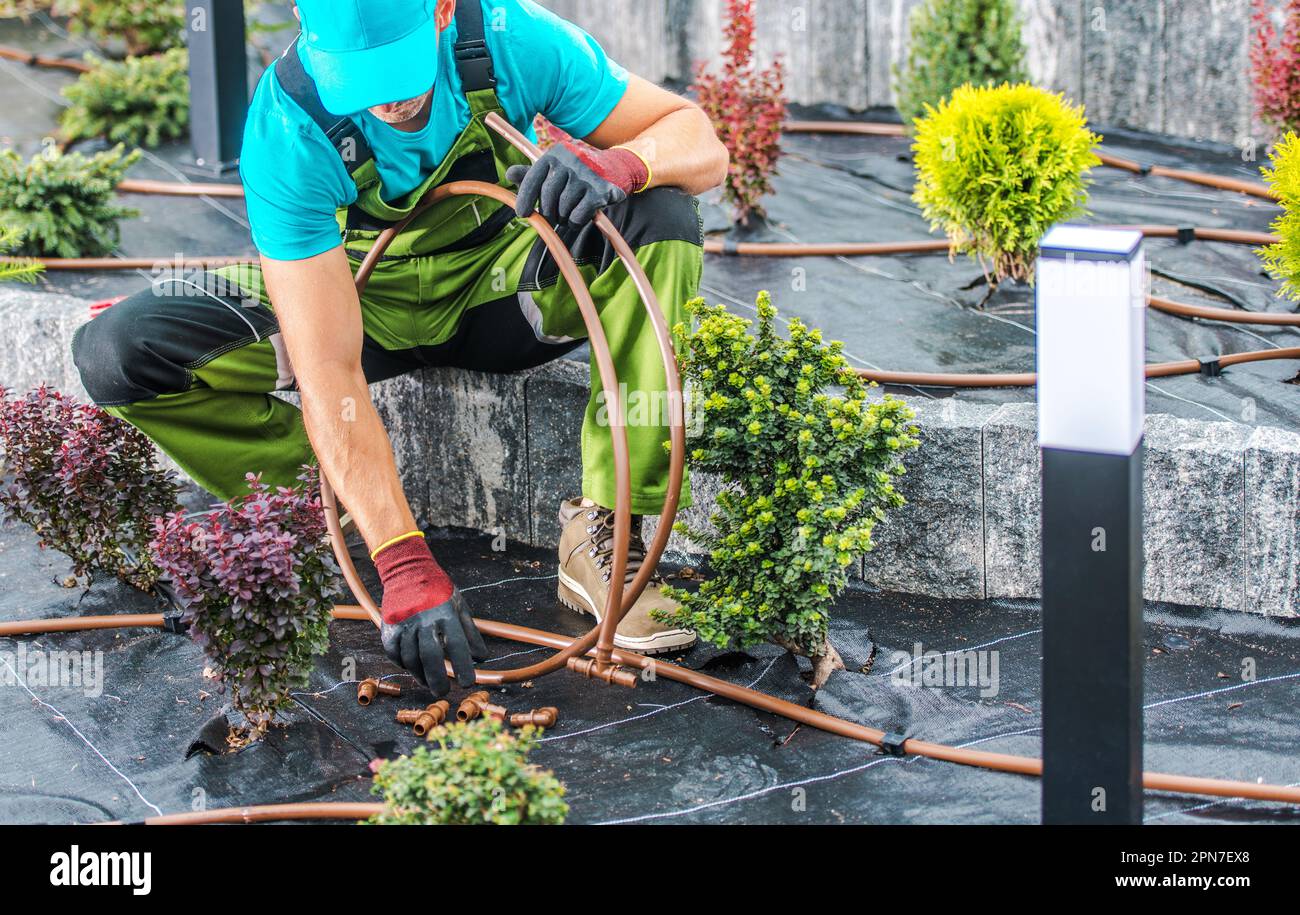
[{"x": 192, "y": 361}]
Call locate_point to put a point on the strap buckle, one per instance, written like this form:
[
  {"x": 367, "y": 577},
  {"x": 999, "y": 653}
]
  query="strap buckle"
[{"x": 475, "y": 65}]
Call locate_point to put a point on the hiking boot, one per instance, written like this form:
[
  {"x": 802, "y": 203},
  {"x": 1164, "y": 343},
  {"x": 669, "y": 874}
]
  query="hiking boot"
[{"x": 586, "y": 560}]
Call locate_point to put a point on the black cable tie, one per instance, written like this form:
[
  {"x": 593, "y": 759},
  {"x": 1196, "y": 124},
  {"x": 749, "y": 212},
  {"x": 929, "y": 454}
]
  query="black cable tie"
[
  {"x": 1145, "y": 170},
  {"x": 175, "y": 624},
  {"x": 1186, "y": 235},
  {"x": 1211, "y": 368},
  {"x": 892, "y": 744}
]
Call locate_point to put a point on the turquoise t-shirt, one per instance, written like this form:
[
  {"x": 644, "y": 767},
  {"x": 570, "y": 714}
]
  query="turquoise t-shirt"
[{"x": 295, "y": 181}]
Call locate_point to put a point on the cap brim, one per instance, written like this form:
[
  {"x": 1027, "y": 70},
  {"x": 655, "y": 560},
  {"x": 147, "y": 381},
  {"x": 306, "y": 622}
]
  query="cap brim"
[{"x": 352, "y": 81}]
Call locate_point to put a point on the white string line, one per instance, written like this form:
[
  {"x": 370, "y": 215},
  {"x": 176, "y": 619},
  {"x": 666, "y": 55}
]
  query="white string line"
[
  {"x": 752, "y": 794},
  {"x": 505, "y": 581},
  {"x": 655, "y": 711},
  {"x": 1187, "y": 400},
  {"x": 84, "y": 739},
  {"x": 1005, "y": 638},
  {"x": 16, "y": 71},
  {"x": 1223, "y": 689},
  {"x": 185, "y": 179}
]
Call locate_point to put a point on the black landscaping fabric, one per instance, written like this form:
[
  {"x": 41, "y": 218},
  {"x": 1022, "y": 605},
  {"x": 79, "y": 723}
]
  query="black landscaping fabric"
[{"x": 660, "y": 753}]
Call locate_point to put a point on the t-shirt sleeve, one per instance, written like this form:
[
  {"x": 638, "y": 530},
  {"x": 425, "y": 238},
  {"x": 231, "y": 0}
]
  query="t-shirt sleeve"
[
  {"x": 294, "y": 181},
  {"x": 560, "y": 71}
]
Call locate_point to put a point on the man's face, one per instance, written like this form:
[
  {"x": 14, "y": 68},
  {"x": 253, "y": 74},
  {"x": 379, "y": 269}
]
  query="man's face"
[{"x": 399, "y": 112}]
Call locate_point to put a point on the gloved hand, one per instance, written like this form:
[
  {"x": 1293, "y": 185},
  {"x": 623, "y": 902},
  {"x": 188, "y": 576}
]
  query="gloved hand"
[
  {"x": 572, "y": 182},
  {"x": 425, "y": 618}
]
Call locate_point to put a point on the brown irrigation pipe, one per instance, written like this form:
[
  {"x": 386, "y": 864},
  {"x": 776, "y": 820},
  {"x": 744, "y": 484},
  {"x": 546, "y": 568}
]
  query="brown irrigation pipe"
[
  {"x": 267, "y": 813},
  {"x": 40, "y": 60},
  {"x": 1001, "y": 762},
  {"x": 178, "y": 188},
  {"x": 1029, "y": 379},
  {"x": 614, "y": 605},
  {"x": 82, "y": 624},
  {"x": 620, "y": 598},
  {"x": 130, "y": 263},
  {"x": 880, "y": 129},
  {"x": 653, "y": 668},
  {"x": 1253, "y": 188},
  {"x": 930, "y": 246},
  {"x": 1230, "y": 315}
]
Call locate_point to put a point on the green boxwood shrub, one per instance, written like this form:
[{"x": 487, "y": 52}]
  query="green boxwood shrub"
[
  {"x": 146, "y": 26},
  {"x": 63, "y": 205},
  {"x": 257, "y": 580},
  {"x": 88, "y": 484},
  {"x": 20, "y": 268},
  {"x": 956, "y": 43},
  {"x": 808, "y": 473},
  {"x": 1282, "y": 260},
  {"x": 141, "y": 101},
  {"x": 476, "y": 773},
  {"x": 997, "y": 167}
]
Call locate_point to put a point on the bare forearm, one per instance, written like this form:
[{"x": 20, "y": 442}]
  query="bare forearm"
[
  {"x": 355, "y": 452},
  {"x": 320, "y": 318},
  {"x": 682, "y": 151}
]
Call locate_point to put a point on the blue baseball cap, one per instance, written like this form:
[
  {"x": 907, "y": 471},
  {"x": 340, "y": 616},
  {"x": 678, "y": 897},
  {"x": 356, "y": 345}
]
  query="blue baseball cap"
[{"x": 369, "y": 52}]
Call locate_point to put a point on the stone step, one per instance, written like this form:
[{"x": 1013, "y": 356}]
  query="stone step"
[{"x": 497, "y": 453}]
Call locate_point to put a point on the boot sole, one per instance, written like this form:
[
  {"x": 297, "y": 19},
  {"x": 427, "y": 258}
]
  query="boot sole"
[{"x": 575, "y": 597}]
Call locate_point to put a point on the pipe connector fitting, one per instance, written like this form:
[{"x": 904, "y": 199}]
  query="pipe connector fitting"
[
  {"x": 473, "y": 706},
  {"x": 609, "y": 673},
  {"x": 541, "y": 717},
  {"x": 371, "y": 687},
  {"x": 424, "y": 720}
]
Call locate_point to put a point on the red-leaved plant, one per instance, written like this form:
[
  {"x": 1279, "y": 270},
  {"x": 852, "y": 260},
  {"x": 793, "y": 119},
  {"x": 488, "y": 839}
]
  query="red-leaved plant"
[
  {"x": 256, "y": 579},
  {"x": 89, "y": 484},
  {"x": 1275, "y": 62},
  {"x": 747, "y": 106}
]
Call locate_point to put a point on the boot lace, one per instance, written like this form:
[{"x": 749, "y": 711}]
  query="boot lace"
[{"x": 600, "y": 532}]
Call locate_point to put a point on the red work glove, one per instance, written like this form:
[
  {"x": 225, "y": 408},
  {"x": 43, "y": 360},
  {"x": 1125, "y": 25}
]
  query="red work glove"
[
  {"x": 426, "y": 620},
  {"x": 571, "y": 182}
]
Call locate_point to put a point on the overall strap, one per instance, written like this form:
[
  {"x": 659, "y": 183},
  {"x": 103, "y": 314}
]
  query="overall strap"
[
  {"x": 343, "y": 134},
  {"x": 473, "y": 60}
]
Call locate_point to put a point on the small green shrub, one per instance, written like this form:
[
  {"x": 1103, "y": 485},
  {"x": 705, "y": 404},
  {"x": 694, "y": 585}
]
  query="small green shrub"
[
  {"x": 478, "y": 773},
  {"x": 141, "y": 101},
  {"x": 257, "y": 579},
  {"x": 1282, "y": 260},
  {"x": 19, "y": 268},
  {"x": 808, "y": 474},
  {"x": 956, "y": 43},
  {"x": 146, "y": 26},
  {"x": 999, "y": 166},
  {"x": 63, "y": 205},
  {"x": 88, "y": 484}
]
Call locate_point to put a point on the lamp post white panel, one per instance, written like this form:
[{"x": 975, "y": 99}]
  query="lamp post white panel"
[{"x": 1091, "y": 313}]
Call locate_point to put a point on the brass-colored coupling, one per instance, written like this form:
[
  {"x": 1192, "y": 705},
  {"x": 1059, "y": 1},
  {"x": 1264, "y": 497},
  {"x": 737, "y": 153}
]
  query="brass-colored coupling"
[
  {"x": 609, "y": 673},
  {"x": 369, "y": 688},
  {"x": 473, "y": 705},
  {"x": 424, "y": 720},
  {"x": 540, "y": 717}
]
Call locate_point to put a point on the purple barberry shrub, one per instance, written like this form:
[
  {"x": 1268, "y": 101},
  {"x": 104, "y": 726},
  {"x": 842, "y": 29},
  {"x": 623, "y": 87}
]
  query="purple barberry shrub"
[{"x": 257, "y": 581}]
